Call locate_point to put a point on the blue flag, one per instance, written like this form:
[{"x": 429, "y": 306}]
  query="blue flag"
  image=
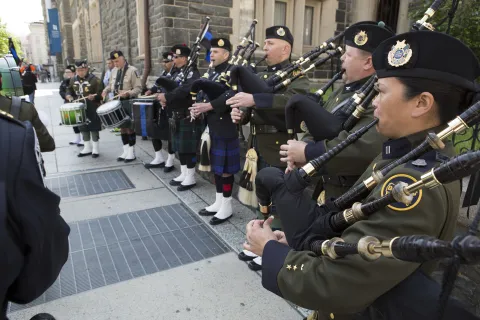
[
  {"x": 13, "y": 51},
  {"x": 206, "y": 44}
]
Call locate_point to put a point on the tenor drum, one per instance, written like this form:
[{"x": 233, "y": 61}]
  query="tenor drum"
[
  {"x": 73, "y": 114},
  {"x": 145, "y": 112},
  {"x": 112, "y": 114}
]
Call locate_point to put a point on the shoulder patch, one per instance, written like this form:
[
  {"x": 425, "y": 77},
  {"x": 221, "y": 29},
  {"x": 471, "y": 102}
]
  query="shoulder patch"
[{"x": 390, "y": 184}]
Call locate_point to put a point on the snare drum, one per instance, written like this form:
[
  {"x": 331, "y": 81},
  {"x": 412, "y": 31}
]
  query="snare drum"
[
  {"x": 112, "y": 114},
  {"x": 73, "y": 114}
]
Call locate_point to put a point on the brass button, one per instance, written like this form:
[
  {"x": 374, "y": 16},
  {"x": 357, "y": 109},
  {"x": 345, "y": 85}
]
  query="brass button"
[
  {"x": 276, "y": 142},
  {"x": 221, "y": 118},
  {"x": 332, "y": 316}
]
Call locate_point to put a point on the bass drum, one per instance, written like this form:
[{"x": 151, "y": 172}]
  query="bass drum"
[
  {"x": 73, "y": 114},
  {"x": 149, "y": 118},
  {"x": 112, "y": 114}
]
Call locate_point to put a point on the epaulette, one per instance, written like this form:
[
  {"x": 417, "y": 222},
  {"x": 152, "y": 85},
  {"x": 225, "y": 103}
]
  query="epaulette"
[{"x": 7, "y": 116}]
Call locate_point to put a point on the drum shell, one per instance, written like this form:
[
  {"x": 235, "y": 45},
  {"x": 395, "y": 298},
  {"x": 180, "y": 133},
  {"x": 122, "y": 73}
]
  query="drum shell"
[
  {"x": 150, "y": 119},
  {"x": 73, "y": 114},
  {"x": 113, "y": 115}
]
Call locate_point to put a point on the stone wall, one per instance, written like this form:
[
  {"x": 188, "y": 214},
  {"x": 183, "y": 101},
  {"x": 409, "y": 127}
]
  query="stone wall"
[{"x": 65, "y": 19}]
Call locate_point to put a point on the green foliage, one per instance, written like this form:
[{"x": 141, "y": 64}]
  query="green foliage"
[
  {"x": 465, "y": 25},
  {"x": 4, "y": 35}
]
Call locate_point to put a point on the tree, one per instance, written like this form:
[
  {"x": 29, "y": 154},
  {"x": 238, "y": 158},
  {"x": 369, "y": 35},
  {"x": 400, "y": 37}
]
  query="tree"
[
  {"x": 4, "y": 35},
  {"x": 465, "y": 25}
]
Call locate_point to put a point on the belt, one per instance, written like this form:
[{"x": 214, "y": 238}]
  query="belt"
[
  {"x": 265, "y": 128},
  {"x": 340, "y": 181}
]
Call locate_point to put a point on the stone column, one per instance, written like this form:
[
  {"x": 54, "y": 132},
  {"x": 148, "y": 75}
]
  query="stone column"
[
  {"x": 403, "y": 23},
  {"x": 269, "y": 13},
  {"x": 365, "y": 10},
  {"x": 299, "y": 16}
]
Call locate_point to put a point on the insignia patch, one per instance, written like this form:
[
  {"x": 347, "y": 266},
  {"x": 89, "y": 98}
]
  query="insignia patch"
[
  {"x": 169, "y": 57},
  {"x": 303, "y": 126},
  {"x": 390, "y": 184},
  {"x": 419, "y": 163},
  {"x": 86, "y": 89},
  {"x": 115, "y": 55},
  {"x": 265, "y": 76},
  {"x": 190, "y": 74},
  {"x": 281, "y": 32},
  {"x": 361, "y": 38},
  {"x": 400, "y": 54},
  {"x": 221, "y": 43},
  {"x": 178, "y": 51}
]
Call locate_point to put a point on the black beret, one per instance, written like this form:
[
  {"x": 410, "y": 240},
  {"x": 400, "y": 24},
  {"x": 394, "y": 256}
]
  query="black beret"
[
  {"x": 367, "y": 35},
  {"x": 221, "y": 43},
  {"x": 181, "y": 50},
  {"x": 279, "y": 32},
  {"x": 81, "y": 63},
  {"x": 70, "y": 67},
  {"x": 427, "y": 55},
  {"x": 115, "y": 54},
  {"x": 167, "y": 56}
]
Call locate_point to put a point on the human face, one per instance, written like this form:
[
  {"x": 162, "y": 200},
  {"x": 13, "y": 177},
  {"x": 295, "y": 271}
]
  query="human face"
[
  {"x": 82, "y": 72},
  {"x": 356, "y": 64},
  {"x": 276, "y": 51},
  {"x": 392, "y": 109},
  {"x": 119, "y": 62},
  {"x": 179, "y": 61},
  {"x": 167, "y": 65},
  {"x": 218, "y": 56},
  {"x": 67, "y": 74},
  {"x": 109, "y": 64}
]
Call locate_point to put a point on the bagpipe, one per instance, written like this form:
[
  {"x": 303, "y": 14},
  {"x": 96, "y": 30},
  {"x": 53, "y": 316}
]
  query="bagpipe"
[
  {"x": 286, "y": 190},
  {"x": 271, "y": 182},
  {"x": 171, "y": 84},
  {"x": 434, "y": 298}
]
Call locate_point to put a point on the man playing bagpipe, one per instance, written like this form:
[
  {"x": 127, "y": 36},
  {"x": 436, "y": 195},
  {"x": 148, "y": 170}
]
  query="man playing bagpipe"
[
  {"x": 186, "y": 132},
  {"x": 170, "y": 71},
  {"x": 224, "y": 155}
]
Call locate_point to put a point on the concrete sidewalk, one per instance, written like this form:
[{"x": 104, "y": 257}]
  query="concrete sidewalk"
[{"x": 138, "y": 248}]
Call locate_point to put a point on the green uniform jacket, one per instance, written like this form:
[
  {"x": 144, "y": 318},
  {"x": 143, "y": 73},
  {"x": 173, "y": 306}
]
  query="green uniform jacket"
[
  {"x": 29, "y": 113},
  {"x": 349, "y": 285},
  {"x": 345, "y": 168},
  {"x": 270, "y": 110}
]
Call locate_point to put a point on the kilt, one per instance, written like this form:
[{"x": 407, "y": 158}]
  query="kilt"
[
  {"x": 187, "y": 135},
  {"x": 224, "y": 155}
]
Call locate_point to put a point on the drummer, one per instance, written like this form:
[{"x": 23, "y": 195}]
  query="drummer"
[
  {"x": 125, "y": 84},
  {"x": 170, "y": 71},
  {"x": 87, "y": 87}
]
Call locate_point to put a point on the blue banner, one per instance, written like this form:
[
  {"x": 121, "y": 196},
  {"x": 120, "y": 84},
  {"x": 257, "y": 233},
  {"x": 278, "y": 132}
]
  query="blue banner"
[{"x": 54, "y": 36}]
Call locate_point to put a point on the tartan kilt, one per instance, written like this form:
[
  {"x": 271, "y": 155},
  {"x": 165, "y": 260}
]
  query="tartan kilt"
[
  {"x": 224, "y": 155},
  {"x": 187, "y": 136}
]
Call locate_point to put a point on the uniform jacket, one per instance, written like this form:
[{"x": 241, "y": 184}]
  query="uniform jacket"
[
  {"x": 126, "y": 79},
  {"x": 351, "y": 284},
  {"x": 352, "y": 161},
  {"x": 29, "y": 113},
  {"x": 270, "y": 110}
]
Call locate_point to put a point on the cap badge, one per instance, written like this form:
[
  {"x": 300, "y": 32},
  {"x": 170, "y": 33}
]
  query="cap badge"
[
  {"x": 178, "y": 51},
  {"x": 281, "y": 32},
  {"x": 400, "y": 54},
  {"x": 361, "y": 38},
  {"x": 169, "y": 57},
  {"x": 221, "y": 43},
  {"x": 115, "y": 55},
  {"x": 303, "y": 126}
]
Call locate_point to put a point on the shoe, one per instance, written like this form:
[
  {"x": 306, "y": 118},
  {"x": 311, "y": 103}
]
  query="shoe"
[
  {"x": 213, "y": 209},
  {"x": 87, "y": 150},
  {"x": 130, "y": 154},
  {"x": 168, "y": 169},
  {"x": 43, "y": 316},
  {"x": 144, "y": 138},
  {"x": 124, "y": 154},
  {"x": 246, "y": 255},
  {"x": 178, "y": 180},
  {"x": 158, "y": 162},
  {"x": 189, "y": 181},
  {"x": 76, "y": 141},
  {"x": 255, "y": 264},
  {"x": 224, "y": 213},
  {"x": 95, "y": 153}
]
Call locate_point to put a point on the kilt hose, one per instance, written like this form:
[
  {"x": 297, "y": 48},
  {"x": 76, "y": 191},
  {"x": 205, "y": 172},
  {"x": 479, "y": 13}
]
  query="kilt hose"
[
  {"x": 224, "y": 155},
  {"x": 187, "y": 135}
]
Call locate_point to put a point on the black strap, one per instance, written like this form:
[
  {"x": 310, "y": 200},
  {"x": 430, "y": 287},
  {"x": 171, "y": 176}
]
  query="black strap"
[{"x": 15, "y": 108}]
